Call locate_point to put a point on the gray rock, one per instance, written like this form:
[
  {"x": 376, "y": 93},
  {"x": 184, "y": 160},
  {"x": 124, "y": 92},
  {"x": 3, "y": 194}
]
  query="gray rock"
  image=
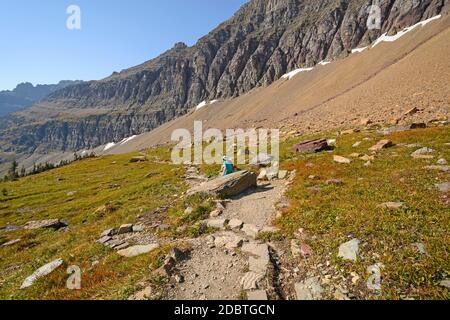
[
  {"x": 125, "y": 228},
  {"x": 251, "y": 230},
  {"x": 442, "y": 162},
  {"x": 45, "y": 224},
  {"x": 11, "y": 243},
  {"x": 443, "y": 187},
  {"x": 217, "y": 223},
  {"x": 310, "y": 289},
  {"x": 383, "y": 144},
  {"x": 227, "y": 186},
  {"x": 138, "y": 250},
  {"x": 109, "y": 233},
  {"x": 392, "y": 205},
  {"x": 250, "y": 280},
  {"x": 138, "y": 228},
  {"x": 235, "y": 224},
  {"x": 282, "y": 174},
  {"x": 422, "y": 151},
  {"x": 438, "y": 168},
  {"x": 349, "y": 250},
  {"x": 445, "y": 283},
  {"x": 42, "y": 272},
  {"x": 311, "y": 146},
  {"x": 341, "y": 160}
]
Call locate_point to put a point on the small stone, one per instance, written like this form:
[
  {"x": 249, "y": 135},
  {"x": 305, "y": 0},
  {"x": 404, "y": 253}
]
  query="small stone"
[
  {"x": 138, "y": 228},
  {"x": 41, "y": 272},
  {"x": 45, "y": 224},
  {"x": 442, "y": 162},
  {"x": 313, "y": 177},
  {"x": 443, "y": 187},
  {"x": 109, "y": 233},
  {"x": 262, "y": 175},
  {"x": 215, "y": 213},
  {"x": 125, "y": 228},
  {"x": 383, "y": 144},
  {"x": 392, "y": 205},
  {"x": 235, "y": 224},
  {"x": 138, "y": 250},
  {"x": 144, "y": 294},
  {"x": 258, "y": 295},
  {"x": 420, "y": 248},
  {"x": 11, "y": 243},
  {"x": 310, "y": 289},
  {"x": 355, "y": 155},
  {"x": 445, "y": 283},
  {"x": 356, "y": 144},
  {"x": 438, "y": 168},
  {"x": 421, "y": 152},
  {"x": 250, "y": 281},
  {"x": 342, "y": 160},
  {"x": 217, "y": 223},
  {"x": 250, "y": 230},
  {"x": 349, "y": 250},
  {"x": 334, "y": 182},
  {"x": 367, "y": 158},
  {"x": 179, "y": 278},
  {"x": 188, "y": 210}
]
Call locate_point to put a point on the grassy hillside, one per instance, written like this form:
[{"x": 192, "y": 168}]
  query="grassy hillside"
[{"x": 332, "y": 215}]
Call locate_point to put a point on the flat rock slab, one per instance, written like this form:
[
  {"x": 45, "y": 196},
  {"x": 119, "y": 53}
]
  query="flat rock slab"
[
  {"x": 44, "y": 224},
  {"x": 392, "y": 205},
  {"x": 383, "y": 144},
  {"x": 349, "y": 250},
  {"x": 311, "y": 146},
  {"x": 250, "y": 280},
  {"x": 310, "y": 289},
  {"x": 341, "y": 160},
  {"x": 42, "y": 272},
  {"x": 217, "y": 223},
  {"x": 227, "y": 186},
  {"x": 251, "y": 230},
  {"x": 137, "y": 250}
]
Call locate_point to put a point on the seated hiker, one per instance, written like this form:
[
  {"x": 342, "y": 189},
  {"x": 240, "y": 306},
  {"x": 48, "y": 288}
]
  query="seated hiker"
[{"x": 227, "y": 167}]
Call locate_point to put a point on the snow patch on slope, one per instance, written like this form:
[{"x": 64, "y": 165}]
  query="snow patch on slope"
[
  {"x": 293, "y": 73},
  {"x": 359, "y": 50},
  {"x": 385, "y": 38},
  {"x": 109, "y": 146}
]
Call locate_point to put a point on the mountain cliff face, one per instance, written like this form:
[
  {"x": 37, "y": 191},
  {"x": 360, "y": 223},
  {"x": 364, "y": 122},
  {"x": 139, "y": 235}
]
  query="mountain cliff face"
[
  {"x": 25, "y": 94},
  {"x": 261, "y": 42}
]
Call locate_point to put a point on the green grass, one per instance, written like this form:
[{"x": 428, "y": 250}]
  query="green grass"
[
  {"x": 129, "y": 190},
  {"x": 336, "y": 213}
]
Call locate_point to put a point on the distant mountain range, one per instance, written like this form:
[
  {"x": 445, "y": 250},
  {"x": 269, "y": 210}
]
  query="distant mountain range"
[{"x": 25, "y": 94}]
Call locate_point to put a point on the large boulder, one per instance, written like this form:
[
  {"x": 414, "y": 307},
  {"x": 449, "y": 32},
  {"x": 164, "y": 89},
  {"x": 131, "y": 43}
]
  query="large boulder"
[
  {"x": 45, "y": 224},
  {"x": 311, "y": 146},
  {"x": 227, "y": 186}
]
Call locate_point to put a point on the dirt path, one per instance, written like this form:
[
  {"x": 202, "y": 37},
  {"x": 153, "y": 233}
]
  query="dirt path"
[{"x": 231, "y": 264}]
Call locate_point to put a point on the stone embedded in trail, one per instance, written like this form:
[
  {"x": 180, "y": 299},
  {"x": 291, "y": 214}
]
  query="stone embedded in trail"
[
  {"x": 45, "y": 224},
  {"x": 257, "y": 295},
  {"x": 251, "y": 230},
  {"x": 137, "y": 250},
  {"x": 383, "y": 144},
  {"x": 342, "y": 160},
  {"x": 125, "y": 228},
  {"x": 217, "y": 223},
  {"x": 349, "y": 250},
  {"x": 310, "y": 289},
  {"x": 42, "y": 272},
  {"x": 311, "y": 146},
  {"x": 228, "y": 240},
  {"x": 443, "y": 187},
  {"x": 235, "y": 224},
  {"x": 438, "y": 168},
  {"x": 392, "y": 205},
  {"x": 250, "y": 280},
  {"x": 227, "y": 186}
]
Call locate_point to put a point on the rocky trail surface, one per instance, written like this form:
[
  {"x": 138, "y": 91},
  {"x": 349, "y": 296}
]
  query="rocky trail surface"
[{"x": 232, "y": 263}]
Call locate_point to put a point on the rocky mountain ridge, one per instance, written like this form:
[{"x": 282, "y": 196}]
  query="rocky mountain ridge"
[{"x": 264, "y": 40}]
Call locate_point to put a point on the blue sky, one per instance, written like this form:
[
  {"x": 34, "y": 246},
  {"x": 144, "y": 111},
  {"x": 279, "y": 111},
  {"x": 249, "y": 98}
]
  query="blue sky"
[{"x": 37, "y": 47}]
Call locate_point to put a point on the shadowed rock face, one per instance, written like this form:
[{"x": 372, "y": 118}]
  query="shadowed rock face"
[{"x": 261, "y": 42}]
